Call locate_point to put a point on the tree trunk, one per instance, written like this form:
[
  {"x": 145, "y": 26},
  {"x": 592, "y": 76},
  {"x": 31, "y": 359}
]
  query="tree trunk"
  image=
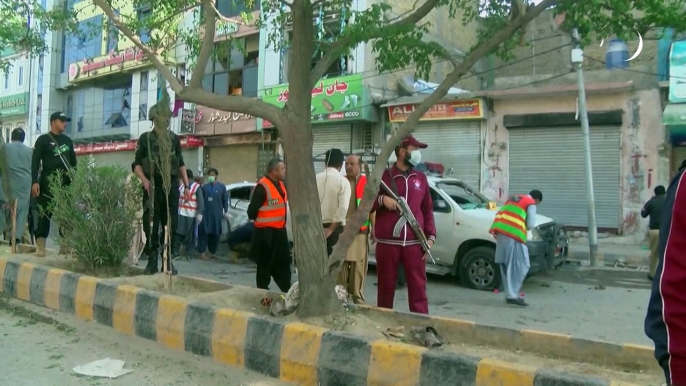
[{"x": 317, "y": 295}]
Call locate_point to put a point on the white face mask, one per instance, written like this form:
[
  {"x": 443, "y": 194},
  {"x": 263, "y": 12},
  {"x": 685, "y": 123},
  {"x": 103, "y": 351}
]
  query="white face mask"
[{"x": 415, "y": 157}]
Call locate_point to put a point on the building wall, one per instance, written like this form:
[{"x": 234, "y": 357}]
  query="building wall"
[
  {"x": 447, "y": 31},
  {"x": 543, "y": 52},
  {"x": 642, "y": 136}
]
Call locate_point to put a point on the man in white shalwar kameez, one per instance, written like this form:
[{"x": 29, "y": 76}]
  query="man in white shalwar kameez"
[{"x": 514, "y": 219}]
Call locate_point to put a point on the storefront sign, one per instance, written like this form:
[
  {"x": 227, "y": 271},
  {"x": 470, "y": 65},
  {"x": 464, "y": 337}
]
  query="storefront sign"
[
  {"x": 462, "y": 109},
  {"x": 14, "y": 104},
  {"x": 677, "y": 72},
  {"x": 225, "y": 28},
  {"x": 216, "y": 122},
  {"x": 130, "y": 145},
  {"x": 114, "y": 62},
  {"x": 333, "y": 99}
]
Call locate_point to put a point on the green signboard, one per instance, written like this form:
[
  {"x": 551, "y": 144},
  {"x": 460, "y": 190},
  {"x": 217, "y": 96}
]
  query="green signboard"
[
  {"x": 16, "y": 104},
  {"x": 677, "y": 72},
  {"x": 333, "y": 99}
]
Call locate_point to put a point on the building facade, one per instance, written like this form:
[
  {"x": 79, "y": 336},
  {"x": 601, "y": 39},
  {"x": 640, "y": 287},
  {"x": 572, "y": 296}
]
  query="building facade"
[
  {"x": 15, "y": 98},
  {"x": 233, "y": 144},
  {"x": 347, "y": 110},
  {"x": 106, "y": 86}
]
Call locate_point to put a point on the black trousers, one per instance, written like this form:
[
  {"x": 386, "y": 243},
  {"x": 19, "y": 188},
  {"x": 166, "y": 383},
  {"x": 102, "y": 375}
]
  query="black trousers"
[
  {"x": 270, "y": 250},
  {"x": 44, "y": 202},
  {"x": 332, "y": 240},
  {"x": 155, "y": 236}
]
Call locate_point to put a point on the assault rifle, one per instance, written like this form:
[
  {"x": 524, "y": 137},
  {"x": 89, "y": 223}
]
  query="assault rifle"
[{"x": 405, "y": 211}]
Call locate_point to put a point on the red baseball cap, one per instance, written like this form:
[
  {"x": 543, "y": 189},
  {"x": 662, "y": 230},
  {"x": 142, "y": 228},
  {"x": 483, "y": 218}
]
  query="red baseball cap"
[{"x": 412, "y": 141}]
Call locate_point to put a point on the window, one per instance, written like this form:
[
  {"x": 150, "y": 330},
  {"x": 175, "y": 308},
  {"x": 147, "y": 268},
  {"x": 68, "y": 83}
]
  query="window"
[
  {"x": 6, "y": 83},
  {"x": 112, "y": 35},
  {"x": 117, "y": 106},
  {"x": 20, "y": 81},
  {"x": 144, "y": 12},
  {"x": 329, "y": 30},
  {"x": 85, "y": 44},
  {"x": 233, "y": 71},
  {"x": 143, "y": 97},
  {"x": 232, "y": 8}
]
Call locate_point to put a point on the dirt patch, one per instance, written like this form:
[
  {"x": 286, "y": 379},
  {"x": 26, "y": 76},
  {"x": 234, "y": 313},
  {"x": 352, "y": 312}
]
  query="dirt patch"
[{"x": 181, "y": 285}]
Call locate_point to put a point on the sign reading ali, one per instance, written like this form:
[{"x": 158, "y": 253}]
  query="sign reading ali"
[
  {"x": 115, "y": 61},
  {"x": 462, "y": 109}
]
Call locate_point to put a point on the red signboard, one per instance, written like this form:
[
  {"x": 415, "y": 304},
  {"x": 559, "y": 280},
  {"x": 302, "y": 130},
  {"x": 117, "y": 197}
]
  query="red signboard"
[
  {"x": 462, "y": 109},
  {"x": 130, "y": 145}
]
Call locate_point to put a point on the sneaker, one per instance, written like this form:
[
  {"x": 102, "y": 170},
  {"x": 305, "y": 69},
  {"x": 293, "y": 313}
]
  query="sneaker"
[{"x": 151, "y": 267}]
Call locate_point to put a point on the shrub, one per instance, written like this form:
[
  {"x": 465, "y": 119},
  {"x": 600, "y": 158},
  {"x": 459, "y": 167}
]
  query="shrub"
[{"x": 96, "y": 214}]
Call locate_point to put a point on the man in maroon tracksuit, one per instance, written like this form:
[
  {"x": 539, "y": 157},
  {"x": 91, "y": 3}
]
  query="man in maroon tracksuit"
[{"x": 396, "y": 242}]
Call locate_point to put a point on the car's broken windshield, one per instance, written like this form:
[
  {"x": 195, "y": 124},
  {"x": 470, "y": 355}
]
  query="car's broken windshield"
[{"x": 464, "y": 195}]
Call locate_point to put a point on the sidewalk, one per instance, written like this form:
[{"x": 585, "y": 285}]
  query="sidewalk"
[{"x": 611, "y": 250}]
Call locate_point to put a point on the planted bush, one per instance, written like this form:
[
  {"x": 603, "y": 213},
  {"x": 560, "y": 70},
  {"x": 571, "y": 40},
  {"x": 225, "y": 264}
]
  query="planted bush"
[{"x": 96, "y": 213}]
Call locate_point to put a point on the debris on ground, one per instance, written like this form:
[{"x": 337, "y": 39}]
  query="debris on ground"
[
  {"x": 286, "y": 305},
  {"x": 426, "y": 336},
  {"x": 103, "y": 368},
  {"x": 341, "y": 294}
]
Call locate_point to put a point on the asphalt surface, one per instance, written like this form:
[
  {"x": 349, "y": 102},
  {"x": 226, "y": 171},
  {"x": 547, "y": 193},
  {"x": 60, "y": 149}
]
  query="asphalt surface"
[
  {"x": 569, "y": 300},
  {"x": 40, "y": 348}
]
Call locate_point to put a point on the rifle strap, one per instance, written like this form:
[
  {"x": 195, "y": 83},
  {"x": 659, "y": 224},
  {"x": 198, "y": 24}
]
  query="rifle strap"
[
  {"x": 394, "y": 185},
  {"x": 57, "y": 146}
]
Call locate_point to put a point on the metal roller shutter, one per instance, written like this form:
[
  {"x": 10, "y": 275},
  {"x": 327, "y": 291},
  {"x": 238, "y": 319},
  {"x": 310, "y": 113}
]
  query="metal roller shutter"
[
  {"x": 115, "y": 158},
  {"x": 456, "y": 145},
  {"x": 190, "y": 158},
  {"x": 236, "y": 163},
  {"x": 552, "y": 161},
  {"x": 327, "y": 137},
  {"x": 678, "y": 156}
]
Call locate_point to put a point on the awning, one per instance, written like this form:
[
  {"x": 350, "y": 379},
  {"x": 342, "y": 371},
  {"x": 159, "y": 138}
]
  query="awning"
[
  {"x": 674, "y": 118},
  {"x": 674, "y": 114}
]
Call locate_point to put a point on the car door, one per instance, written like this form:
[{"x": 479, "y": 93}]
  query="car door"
[{"x": 443, "y": 250}]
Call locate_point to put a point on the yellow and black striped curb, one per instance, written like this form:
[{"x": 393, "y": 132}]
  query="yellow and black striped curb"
[{"x": 295, "y": 352}]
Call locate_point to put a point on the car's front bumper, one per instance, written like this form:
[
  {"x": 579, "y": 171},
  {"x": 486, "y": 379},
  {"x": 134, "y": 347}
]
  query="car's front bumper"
[{"x": 546, "y": 254}]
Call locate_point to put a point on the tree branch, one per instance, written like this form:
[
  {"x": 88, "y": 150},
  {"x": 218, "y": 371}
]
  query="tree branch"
[
  {"x": 250, "y": 106},
  {"x": 340, "y": 46},
  {"x": 372, "y": 188},
  {"x": 207, "y": 46},
  {"x": 151, "y": 55},
  {"x": 222, "y": 17}
]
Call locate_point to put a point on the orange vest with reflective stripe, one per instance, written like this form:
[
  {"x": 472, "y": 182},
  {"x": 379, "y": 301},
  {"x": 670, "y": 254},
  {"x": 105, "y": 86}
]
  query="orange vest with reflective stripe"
[
  {"x": 272, "y": 214},
  {"x": 359, "y": 192},
  {"x": 189, "y": 208},
  {"x": 511, "y": 218}
]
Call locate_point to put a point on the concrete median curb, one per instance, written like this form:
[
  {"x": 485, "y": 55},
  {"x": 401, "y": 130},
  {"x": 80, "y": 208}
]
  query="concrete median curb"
[
  {"x": 290, "y": 351},
  {"x": 610, "y": 259}
]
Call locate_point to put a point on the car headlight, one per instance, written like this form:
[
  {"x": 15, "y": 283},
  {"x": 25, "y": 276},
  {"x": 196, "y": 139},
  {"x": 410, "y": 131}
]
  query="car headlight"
[{"x": 535, "y": 235}]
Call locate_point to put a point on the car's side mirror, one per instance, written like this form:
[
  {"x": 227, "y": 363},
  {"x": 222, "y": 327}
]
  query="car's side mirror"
[{"x": 441, "y": 206}]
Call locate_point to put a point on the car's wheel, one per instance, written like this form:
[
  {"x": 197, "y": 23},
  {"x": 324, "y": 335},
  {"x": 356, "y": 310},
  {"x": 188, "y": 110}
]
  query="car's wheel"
[{"x": 478, "y": 269}]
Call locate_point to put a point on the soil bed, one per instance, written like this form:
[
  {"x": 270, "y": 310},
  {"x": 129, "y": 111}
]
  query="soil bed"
[{"x": 364, "y": 323}]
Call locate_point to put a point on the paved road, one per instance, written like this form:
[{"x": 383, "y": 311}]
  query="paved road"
[
  {"x": 565, "y": 301},
  {"x": 41, "y": 348}
]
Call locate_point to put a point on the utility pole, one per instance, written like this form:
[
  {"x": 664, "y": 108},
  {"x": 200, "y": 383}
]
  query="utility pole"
[{"x": 578, "y": 60}]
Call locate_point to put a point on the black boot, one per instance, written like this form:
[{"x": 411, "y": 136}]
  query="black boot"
[{"x": 151, "y": 267}]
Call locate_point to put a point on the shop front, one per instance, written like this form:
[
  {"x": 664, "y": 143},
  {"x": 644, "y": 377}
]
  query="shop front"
[
  {"x": 233, "y": 145},
  {"x": 122, "y": 153},
  {"x": 674, "y": 116},
  {"x": 342, "y": 115},
  {"x": 13, "y": 113},
  {"x": 452, "y": 130}
]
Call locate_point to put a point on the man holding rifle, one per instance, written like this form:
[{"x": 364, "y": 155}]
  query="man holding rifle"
[{"x": 404, "y": 229}]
